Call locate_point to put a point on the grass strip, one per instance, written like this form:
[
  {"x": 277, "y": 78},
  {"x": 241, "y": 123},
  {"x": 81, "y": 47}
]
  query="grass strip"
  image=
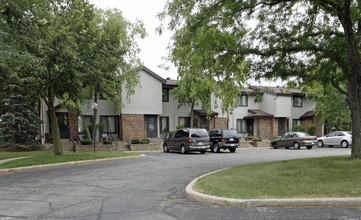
[
  {"x": 8, "y": 155},
  {"x": 49, "y": 158},
  {"x": 335, "y": 177}
]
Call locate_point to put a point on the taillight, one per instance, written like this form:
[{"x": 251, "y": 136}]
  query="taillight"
[
  {"x": 189, "y": 140},
  {"x": 351, "y": 136},
  {"x": 306, "y": 139},
  {"x": 239, "y": 140},
  {"x": 222, "y": 139}
]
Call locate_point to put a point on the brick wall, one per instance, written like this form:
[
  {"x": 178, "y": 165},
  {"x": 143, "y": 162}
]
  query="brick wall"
[
  {"x": 133, "y": 126},
  {"x": 266, "y": 128},
  {"x": 218, "y": 123},
  {"x": 315, "y": 120}
]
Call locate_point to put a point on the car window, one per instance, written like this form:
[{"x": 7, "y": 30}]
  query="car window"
[
  {"x": 229, "y": 133},
  {"x": 172, "y": 134},
  {"x": 287, "y": 135},
  {"x": 332, "y": 134},
  {"x": 293, "y": 135},
  {"x": 199, "y": 133},
  {"x": 349, "y": 133},
  {"x": 340, "y": 134},
  {"x": 182, "y": 134},
  {"x": 302, "y": 134}
]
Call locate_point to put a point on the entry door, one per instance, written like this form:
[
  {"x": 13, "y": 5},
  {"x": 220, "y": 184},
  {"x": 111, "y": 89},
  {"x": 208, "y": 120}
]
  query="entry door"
[
  {"x": 204, "y": 123},
  {"x": 250, "y": 126},
  {"x": 281, "y": 126},
  {"x": 63, "y": 122},
  {"x": 152, "y": 126}
]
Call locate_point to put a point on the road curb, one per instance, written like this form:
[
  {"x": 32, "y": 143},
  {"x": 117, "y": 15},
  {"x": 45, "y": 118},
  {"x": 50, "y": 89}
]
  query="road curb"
[
  {"x": 55, "y": 165},
  {"x": 251, "y": 203}
]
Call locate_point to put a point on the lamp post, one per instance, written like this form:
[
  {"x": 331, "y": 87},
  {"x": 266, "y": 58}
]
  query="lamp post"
[{"x": 94, "y": 106}]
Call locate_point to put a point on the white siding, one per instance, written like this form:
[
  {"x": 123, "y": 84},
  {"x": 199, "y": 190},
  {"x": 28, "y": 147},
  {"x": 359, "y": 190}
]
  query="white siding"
[
  {"x": 147, "y": 98},
  {"x": 283, "y": 105}
]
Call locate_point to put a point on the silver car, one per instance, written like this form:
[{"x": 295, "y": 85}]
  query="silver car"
[{"x": 336, "y": 138}]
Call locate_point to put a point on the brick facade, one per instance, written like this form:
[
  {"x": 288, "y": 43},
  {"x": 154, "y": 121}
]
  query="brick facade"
[
  {"x": 132, "y": 126},
  {"x": 316, "y": 121},
  {"x": 265, "y": 127},
  {"x": 219, "y": 123}
]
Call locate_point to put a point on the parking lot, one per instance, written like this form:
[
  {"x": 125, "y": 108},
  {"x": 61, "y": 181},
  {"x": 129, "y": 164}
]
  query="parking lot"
[{"x": 146, "y": 188}]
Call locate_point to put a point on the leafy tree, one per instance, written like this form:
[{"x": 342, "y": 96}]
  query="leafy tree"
[
  {"x": 308, "y": 40},
  {"x": 331, "y": 106},
  {"x": 42, "y": 40},
  {"x": 19, "y": 122}
]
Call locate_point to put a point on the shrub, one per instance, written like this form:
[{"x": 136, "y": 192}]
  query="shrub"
[
  {"x": 144, "y": 141},
  {"x": 180, "y": 126},
  {"x": 257, "y": 139},
  {"x": 86, "y": 142},
  {"x": 135, "y": 141},
  {"x": 107, "y": 142},
  {"x": 275, "y": 137},
  {"x": 100, "y": 127},
  {"x": 311, "y": 129},
  {"x": 299, "y": 128},
  {"x": 249, "y": 138}
]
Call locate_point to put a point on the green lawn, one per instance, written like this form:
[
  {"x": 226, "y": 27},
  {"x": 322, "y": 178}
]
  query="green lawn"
[
  {"x": 304, "y": 178},
  {"x": 43, "y": 157}
]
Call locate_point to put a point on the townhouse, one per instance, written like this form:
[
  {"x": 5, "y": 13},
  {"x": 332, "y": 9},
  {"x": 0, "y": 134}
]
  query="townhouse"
[{"x": 153, "y": 112}]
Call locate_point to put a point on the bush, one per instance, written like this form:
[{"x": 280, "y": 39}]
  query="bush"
[
  {"x": 86, "y": 142},
  {"x": 311, "y": 129},
  {"x": 144, "y": 141},
  {"x": 179, "y": 127},
  {"x": 299, "y": 128},
  {"x": 107, "y": 142},
  {"x": 257, "y": 139},
  {"x": 135, "y": 141},
  {"x": 249, "y": 138}
]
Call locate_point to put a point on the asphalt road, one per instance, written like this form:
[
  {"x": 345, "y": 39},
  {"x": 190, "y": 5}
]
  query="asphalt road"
[{"x": 146, "y": 188}]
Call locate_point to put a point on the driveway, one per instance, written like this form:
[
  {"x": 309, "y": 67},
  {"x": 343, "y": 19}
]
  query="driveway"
[{"x": 146, "y": 188}]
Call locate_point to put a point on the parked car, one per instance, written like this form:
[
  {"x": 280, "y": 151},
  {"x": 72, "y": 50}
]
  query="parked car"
[
  {"x": 187, "y": 139},
  {"x": 294, "y": 139},
  {"x": 223, "y": 139},
  {"x": 336, "y": 138}
]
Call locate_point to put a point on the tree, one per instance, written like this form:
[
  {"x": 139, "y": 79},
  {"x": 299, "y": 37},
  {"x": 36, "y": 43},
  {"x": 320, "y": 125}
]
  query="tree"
[
  {"x": 284, "y": 38},
  {"x": 42, "y": 39},
  {"x": 19, "y": 122},
  {"x": 331, "y": 106}
]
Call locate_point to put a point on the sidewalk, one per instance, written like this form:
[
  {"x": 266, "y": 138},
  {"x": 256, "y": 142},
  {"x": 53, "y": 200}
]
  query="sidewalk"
[{"x": 252, "y": 203}]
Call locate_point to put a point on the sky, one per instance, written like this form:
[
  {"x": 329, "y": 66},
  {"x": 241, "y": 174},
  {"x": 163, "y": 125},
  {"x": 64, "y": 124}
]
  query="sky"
[{"x": 154, "y": 46}]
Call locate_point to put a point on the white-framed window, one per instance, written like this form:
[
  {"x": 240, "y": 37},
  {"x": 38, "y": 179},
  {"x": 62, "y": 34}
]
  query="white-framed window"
[
  {"x": 297, "y": 101},
  {"x": 243, "y": 101},
  {"x": 109, "y": 124}
]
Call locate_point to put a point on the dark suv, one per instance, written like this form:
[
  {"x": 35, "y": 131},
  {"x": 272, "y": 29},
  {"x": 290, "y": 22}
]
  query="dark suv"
[
  {"x": 187, "y": 139},
  {"x": 224, "y": 138}
]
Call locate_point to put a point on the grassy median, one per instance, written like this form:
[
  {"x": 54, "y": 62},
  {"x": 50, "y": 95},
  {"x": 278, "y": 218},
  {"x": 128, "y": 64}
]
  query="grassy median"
[
  {"x": 43, "y": 157},
  {"x": 324, "y": 177}
]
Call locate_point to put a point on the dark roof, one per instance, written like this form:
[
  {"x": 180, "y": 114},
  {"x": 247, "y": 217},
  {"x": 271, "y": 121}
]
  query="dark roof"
[
  {"x": 150, "y": 72},
  {"x": 309, "y": 114},
  {"x": 256, "y": 113},
  {"x": 170, "y": 83},
  {"x": 204, "y": 113},
  {"x": 278, "y": 90}
]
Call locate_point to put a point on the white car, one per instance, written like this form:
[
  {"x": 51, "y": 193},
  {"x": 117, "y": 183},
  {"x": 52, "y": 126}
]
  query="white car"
[{"x": 336, "y": 138}]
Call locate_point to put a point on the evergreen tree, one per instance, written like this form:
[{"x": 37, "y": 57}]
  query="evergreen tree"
[{"x": 19, "y": 122}]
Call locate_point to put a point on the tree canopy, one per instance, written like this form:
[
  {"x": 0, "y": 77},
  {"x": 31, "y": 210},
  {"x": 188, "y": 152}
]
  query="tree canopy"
[{"x": 310, "y": 40}]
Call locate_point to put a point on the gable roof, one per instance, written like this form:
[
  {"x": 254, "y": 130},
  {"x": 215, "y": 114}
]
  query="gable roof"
[
  {"x": 256, "y": 113},
  {"x": 150, "y": 72}
]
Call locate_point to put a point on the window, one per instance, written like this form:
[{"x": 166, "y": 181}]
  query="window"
[
  {"x": 165, "y": 95},
  {"x": 109, "y": 124},
  {"x": 297, "y": 101},
  {"x": 241, "y": 126},
  {"x": 296, "y": 122},
  {"x": 186, "y": 121},
  {"x": 88, "y": 120},
  {"x": 182, "y": 134},
  {"x": 164, "y": 124},
  {"x": 243, "y": 101}
]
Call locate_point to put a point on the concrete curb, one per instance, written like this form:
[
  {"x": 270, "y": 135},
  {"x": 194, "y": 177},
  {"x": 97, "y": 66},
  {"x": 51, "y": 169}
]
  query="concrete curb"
[
  {"x": 251, "y": 203},
  {"x": 55, "y": 165}
]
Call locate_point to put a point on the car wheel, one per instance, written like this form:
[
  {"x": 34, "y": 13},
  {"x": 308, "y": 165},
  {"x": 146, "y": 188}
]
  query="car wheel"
[
  {"x": 183, "y": 149},
  {"x": 216, "y": 148},
  {"x": 274, "y": 145},
  {"x": 320, "y": 143},
  {"x": 211, "y": 148},
  {"x": 344, "y": 144},
  {"x": 165, "y": 149},
  {"x": 232, "y": 149},
  {"x": 203, "y": 151},
  {"x": 309, "y": 147},
  {"x": 296, "y": 145},
  {"x": 287, "y": 147}
]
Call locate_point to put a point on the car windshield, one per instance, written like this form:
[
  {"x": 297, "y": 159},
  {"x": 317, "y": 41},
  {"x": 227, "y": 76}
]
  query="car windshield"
[
  {"x": 229, "y": 133},
  {"x": 199, "y": 133}
]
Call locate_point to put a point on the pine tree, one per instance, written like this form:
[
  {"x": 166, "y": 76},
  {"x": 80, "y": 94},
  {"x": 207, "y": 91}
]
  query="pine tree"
[{"x": 19, "y": 122}]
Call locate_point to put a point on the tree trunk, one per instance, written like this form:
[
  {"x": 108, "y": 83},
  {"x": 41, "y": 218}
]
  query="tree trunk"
[
  {"x": 354, "y": 95},
  {"x": 94, "y": 120},
  {"x": 58, "y": 149},
  {"x": 192, "y": 115},
  {"x": 80, "y": 113}
]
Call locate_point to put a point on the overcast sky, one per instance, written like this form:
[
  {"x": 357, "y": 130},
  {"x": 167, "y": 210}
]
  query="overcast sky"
[{"x": 153, "y": 47}]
